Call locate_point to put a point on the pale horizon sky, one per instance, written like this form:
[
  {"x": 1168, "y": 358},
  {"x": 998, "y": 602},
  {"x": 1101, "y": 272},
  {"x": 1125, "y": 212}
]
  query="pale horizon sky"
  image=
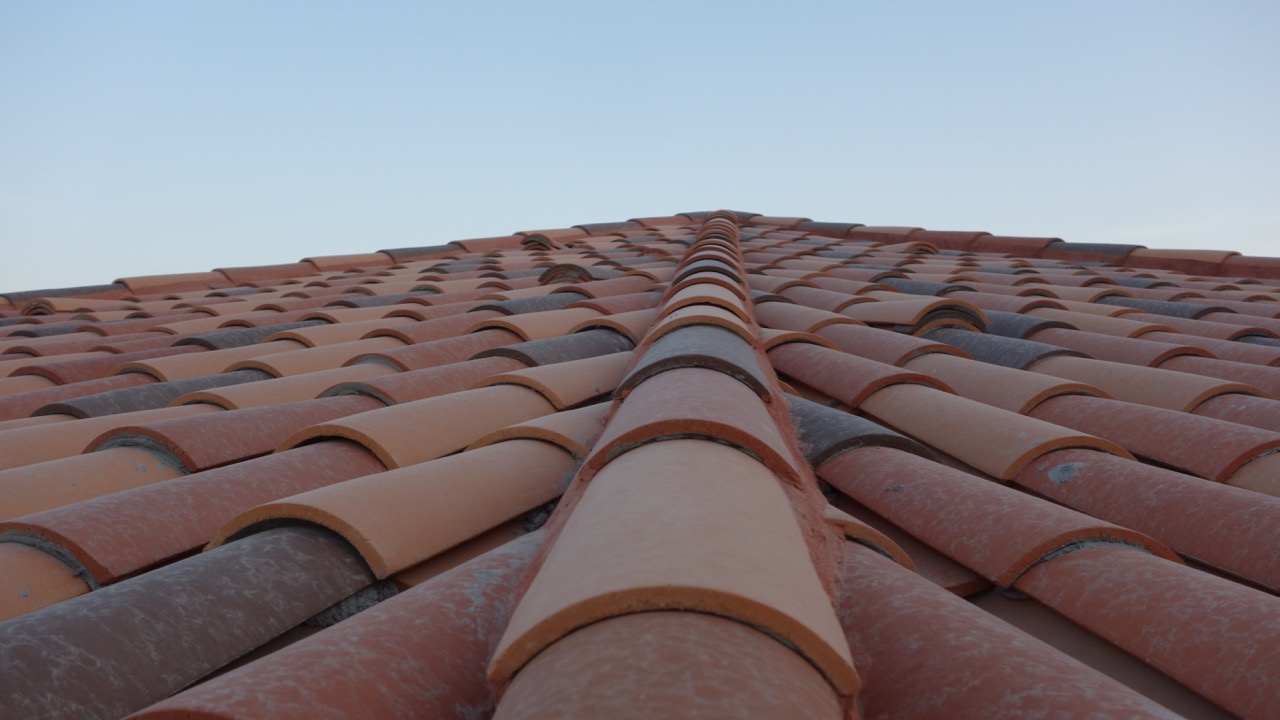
[{"x": 155, "y": 137}]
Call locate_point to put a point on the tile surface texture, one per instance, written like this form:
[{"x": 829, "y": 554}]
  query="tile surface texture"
[{"x": 702, "y": 465}]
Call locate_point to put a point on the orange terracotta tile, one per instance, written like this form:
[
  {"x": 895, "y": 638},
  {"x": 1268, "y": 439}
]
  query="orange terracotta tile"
[
  {"x": 401, "y": 517},
  {"x": 571, "y": 383},
  {"x": 1212, "y": 635},
  {"x": 66, "y": 480},
  {"x": 882, "y": 345},
  {"x": 31, "y": 579},
  {"x": 997, "y": 442},
  {"x": 673, "y": 665},
  {"x": 575, "y": 431},
  {"x": 844, "y": 377},
  {"x": 1142, "y": 385},
  {"x": 396, "y": 434},
  {"x": 736, "y": 513},
  {"x": 43, "y": 442},
  {"x": 1002, "y": 387}
]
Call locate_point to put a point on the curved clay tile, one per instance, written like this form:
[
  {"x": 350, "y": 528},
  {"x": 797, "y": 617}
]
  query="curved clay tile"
[
  {"x": 707, "y": 293},
  {"x": 633, "y": 325},
  {"x": 92, "y": 368},
  {"x": 672, "y": 665},
  {"x": 538, "y": 325},
  {"x": 39, "y": 443},
  {"x": 441, "y": 352},
  {"x": 422, "y": 651},
  {"x": 702, "y": 315},
  {"x": 997, "y": 442},
  {"x": 1250, "y": 410},
  {"x": 798, "y": 318},
  {"x": 549, "y": 351},
  {"x": 1168, "y": 437},
  {"x": 820, "y": 299},
  {"x": 397, "y": 388},
  {"x": 70, "y": 479},
  {"x": 608, "y": 561},
  {"x": 31, "y": 579},
  {"x": 242, "y": 337},
  {"x": 699, "y": 346},
  {"x": 1002, "y": 387},
  {"x": 126, "y": 646},
  {"x": 1142, "y": 385},
  {"x": 324, "y": 357},
  {"x": 571, "y": 383},
  {"x": 1215, "y": 636},
  {"x": 21, "y": 405},
  {"x": 206, "y": 441},
  {"x": 993, "y": 303},
  {"x": 882, "y": 345},
  {"x": 423, "y": 430},
  {"x": 283, "y": 390},
  {"x": 727, "y": 412},
  {"x": 148, "y": 396},
  {"x": 825, "y": 432},
  {"x": 924, "y": 653},
  {"x": 439, "y": 328},
  {"x": 399, "y": 518},
  {"x": 995, "y": 531},
  {"x": 1261, "y": 475},
  {"x": 1006, "y": 352},
  {"x": 575, "y": 431},
  {"x": 1214, "y": 329},
  {"x": 1088, "y": 322},
  {"x": 617, "y": 304},
  {"x": 1131, "y": 351},
  {"x": 115, "y": 536},
  {"x": 844, "y": 377},
  {"x": 1236, "y": 351},
  {"x": 1263, "y": 377},
  {"x": 1214, "y": 524},
  {"x": 854, "y": 529},
  {"x": 211, "y": 362},
  {"x": 913, "y": 311},
  {"x": 340, "y": 332}
]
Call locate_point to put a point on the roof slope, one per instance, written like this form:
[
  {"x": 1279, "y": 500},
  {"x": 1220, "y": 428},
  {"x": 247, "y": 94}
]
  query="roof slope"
[{"x": 708, "y": 465}]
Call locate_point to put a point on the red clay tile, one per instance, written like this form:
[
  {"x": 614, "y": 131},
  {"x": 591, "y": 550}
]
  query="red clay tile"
[
  {"x": 883, "y": 345},
  {"x": 997, "y": 442},
  {"x": 1224, "y": 349},
  {"x": 155, "y": 634},
  {"x": 1168, "y": 437},
  {"x": 1002, "y": 387},
  {"x": 701, "y": 315},
  {"x": 1217, "y": 637},
  {"x": 1261, "y": 475},
  {"x": 913, "y": 312},
  {"x": 633, "y": 325},
  {"x": 1214, "y": 524},
  {"x": 1262, "y": 377},
  {"x": 115, "y": 536},
  {"x": 396, "y": 434},
  {"x": 324, "y": 357},
  {"x": 728, "y": 412},
  {"x": 1119, "y": 327},
  {"x": 1244, "y": 409},
  {"x": 669, "y": 664},
  {"x": 736, "y": 513},
  {"x": 699, "y": 346},
  {"x": 847, "y": 378},
  {"x": 1131, "y": 351},
  {"x": 433, "y": 642},
  {"x": 996, "y": 531},
  {"x": 1142, "y": 385},
  {"x": 41, "y": 443},
  {"x": 799, "y": 318},
  {"x": 569, "y": 383},
  {"x": 575, "y": 431},
  {"x": 23, "y": 404},
  {"x": 399, "y": 518},
  {"x": 397, "y": 388},
  {"x": 31, "y": 579},
  {"x": 539, "y": 325},
  {"x": 442, "y": 352},
  {"x": 70, "y": 479},
  {"x": 926, "y": 654}
]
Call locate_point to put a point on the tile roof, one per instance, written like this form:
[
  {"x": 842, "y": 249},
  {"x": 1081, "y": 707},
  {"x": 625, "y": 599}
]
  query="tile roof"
[{"x": 711, "y": 464}]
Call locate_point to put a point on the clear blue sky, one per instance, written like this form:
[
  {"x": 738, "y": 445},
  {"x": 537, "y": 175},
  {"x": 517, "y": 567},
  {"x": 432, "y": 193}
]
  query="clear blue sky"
[{"x": 151, "y": 137}]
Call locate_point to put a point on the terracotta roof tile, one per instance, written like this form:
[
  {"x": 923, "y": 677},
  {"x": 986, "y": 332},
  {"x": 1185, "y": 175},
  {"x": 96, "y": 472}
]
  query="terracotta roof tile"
[{"x": 719, "y": 416}]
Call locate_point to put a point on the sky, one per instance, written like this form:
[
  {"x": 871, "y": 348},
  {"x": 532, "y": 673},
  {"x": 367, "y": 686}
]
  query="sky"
[{"x": 157, "y": 137}]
